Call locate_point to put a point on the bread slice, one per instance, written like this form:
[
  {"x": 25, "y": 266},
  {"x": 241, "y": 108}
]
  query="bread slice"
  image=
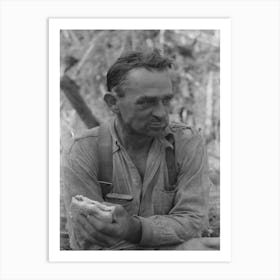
[{"x": 83, "y": 205}]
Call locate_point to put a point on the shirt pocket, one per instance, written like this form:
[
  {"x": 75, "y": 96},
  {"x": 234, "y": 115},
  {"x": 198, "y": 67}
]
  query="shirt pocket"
[{"x": 163, "y": 200}]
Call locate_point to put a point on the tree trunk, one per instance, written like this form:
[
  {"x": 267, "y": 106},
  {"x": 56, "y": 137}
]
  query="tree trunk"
[{"x": 71, "y": 91}]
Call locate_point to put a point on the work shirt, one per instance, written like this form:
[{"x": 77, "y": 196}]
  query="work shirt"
[{"x": 169, "y": 215}]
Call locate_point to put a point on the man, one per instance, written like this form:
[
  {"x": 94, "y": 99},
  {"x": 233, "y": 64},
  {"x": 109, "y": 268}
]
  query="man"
[{"x": 161, "y": 215}]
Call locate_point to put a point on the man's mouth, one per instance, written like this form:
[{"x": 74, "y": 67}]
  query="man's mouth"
[{"x": 157, "y": 125}]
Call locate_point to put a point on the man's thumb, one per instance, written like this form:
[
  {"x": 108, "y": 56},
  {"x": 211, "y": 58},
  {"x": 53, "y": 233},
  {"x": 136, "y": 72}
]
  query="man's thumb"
[{"x": 118, "y": 212}]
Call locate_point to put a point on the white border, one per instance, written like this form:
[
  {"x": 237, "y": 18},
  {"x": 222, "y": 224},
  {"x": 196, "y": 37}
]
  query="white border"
[{"x": 55, "y": 255}]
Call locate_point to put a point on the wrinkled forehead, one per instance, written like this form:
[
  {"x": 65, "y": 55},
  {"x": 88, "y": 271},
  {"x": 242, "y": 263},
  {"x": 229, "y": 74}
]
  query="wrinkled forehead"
[{"x": 141, "y": 79}]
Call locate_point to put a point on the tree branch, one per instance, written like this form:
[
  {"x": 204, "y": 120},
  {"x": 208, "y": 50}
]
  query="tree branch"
[{"x": 72, "y": 92}]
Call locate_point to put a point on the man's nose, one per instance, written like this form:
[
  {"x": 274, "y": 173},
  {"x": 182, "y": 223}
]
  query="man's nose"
[{"x": 160, "y": 111}]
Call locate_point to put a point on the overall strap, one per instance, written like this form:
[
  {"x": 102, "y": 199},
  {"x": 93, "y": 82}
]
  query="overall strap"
[
  {"x": 171, "y": 162},
  {"x": 105, "y": 158}
]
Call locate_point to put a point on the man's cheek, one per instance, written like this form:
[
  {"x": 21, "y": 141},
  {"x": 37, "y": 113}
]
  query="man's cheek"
[
  {"x": 143, "y": 123},
  {"x": 144, "y": 115}
]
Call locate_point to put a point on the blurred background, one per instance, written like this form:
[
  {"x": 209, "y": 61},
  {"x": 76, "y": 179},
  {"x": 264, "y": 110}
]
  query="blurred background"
[{"x": 85, "y": 57}]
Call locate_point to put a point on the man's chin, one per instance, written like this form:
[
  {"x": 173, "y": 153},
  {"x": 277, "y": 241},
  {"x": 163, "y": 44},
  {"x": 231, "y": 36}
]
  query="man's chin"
[
  {"x": 150, "y": 131},
  {"x": 156, "y": 131}
]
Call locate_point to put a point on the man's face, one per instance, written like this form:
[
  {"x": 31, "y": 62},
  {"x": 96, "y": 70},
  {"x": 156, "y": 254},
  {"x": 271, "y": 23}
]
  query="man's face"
[{"x": 145, "y": 107}]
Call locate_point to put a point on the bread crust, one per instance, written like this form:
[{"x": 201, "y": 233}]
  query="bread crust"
[{"x": 83, "y": 205}]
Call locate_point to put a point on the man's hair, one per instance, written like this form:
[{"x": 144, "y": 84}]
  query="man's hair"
[{"x": 117, "y": 73}]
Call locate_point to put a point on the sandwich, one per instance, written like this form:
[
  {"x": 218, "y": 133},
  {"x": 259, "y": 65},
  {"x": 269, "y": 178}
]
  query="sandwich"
[{"x": 83, "y": 205}]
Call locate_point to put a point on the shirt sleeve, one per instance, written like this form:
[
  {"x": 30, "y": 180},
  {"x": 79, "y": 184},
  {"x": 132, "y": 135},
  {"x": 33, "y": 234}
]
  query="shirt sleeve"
[
  {"x": 185, "y": 219},
  {"x": 79, "y": 177}
]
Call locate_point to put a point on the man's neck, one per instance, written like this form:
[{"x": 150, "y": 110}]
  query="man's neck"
[{"x": 131, "y": 140}]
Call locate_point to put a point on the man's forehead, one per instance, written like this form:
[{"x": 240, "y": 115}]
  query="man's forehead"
[{"x": 143, "y": 78}]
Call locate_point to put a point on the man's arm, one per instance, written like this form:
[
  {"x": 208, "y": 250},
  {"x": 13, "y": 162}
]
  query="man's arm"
[
  {"x": 183, "y": 222},
  {"x": 185, "y": 219},
  {"x": 78, "y": 167}
]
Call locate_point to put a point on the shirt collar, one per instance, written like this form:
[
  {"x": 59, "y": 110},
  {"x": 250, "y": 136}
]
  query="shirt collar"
[
  {"x": 116, "y": 145},
  {"x": 167, "y": 139}
]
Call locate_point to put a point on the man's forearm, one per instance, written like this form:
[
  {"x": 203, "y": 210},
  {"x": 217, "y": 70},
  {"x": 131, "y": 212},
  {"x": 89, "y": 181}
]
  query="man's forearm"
[{"x": 168, "y": 229}]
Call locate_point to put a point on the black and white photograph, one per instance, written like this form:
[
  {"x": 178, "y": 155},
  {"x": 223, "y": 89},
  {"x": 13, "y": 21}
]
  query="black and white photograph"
[{"x": 140, "y": 139}]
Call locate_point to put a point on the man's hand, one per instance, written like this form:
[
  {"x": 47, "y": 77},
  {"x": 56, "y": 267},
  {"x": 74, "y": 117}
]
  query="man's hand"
[
  {"x": 96, "y": 231},
  {"x": 87, "y": 235}
]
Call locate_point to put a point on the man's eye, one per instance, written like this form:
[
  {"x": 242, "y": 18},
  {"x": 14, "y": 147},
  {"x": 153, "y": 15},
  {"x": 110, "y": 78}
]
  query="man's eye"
[
  {"x": 146, "y": 102},
  {"x": 166, "y": 100}
]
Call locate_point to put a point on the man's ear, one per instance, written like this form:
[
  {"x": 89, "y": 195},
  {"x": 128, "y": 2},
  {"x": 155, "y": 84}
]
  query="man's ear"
[{"x": 111, "y": 101}]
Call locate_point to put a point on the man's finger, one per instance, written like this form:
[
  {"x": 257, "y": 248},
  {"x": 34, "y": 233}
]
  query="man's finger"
[
  {"x": 84, "y": 221},
  {"x": 105, "y": 239},
  {"x": 86, "y": 234},
  {"x": 104, "y": 231},
  {"x": 103, "y": 227},
  {"x": 108, "y": 203},
  {"x": 79, "y": 235},
  {"x": 119, "y": 212},
  {"x": 92, "y": 228}
]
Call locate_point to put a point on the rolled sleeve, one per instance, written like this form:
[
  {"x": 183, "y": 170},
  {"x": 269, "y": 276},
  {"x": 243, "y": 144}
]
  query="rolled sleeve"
[{"x": 158, "y": 230}]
